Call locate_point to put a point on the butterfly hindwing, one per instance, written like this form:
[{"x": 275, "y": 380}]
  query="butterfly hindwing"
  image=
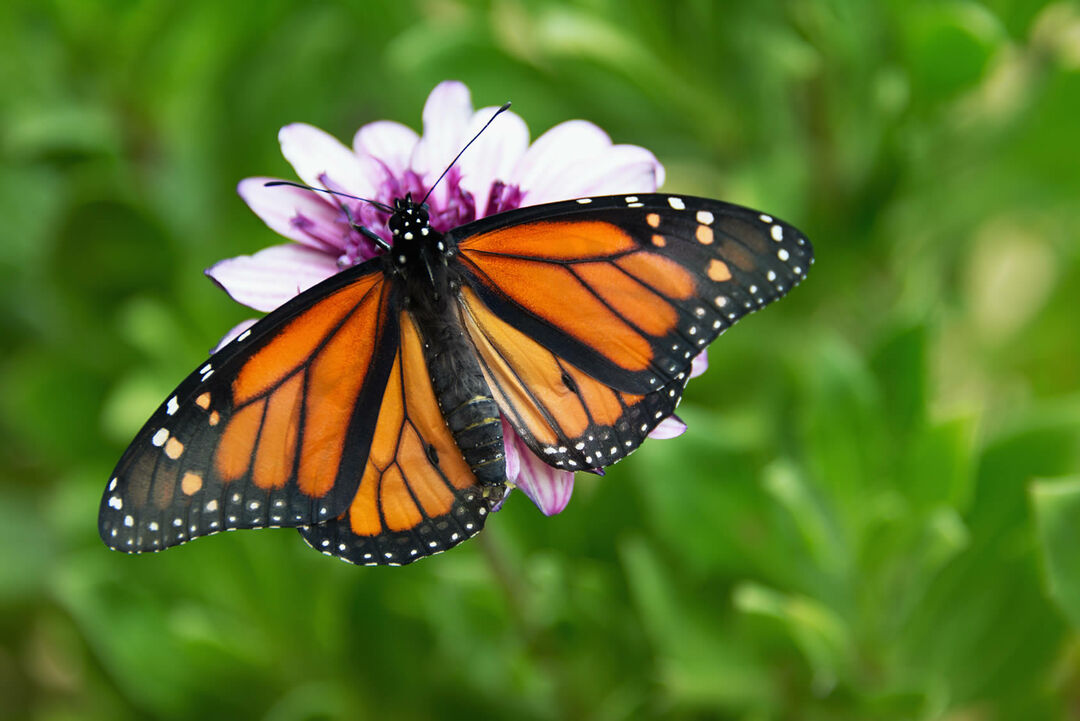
[
  {"x": 587, "y": 314},
  {"x": 270, "y": 431},
  {"x": 417, "y": 495}
]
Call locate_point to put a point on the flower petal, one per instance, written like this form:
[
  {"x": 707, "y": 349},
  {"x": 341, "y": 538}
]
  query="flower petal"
[
  {"x": 494, "y": 155},
  {"x": 700, "y": 364},
  {"x": 670, "y": 427},
  {"x": 320, "y": 159},
  {"x": 556, "y": 149},
  {"x": 618, "y": 169},
  {"x": 447, "y": 113},
  {"x": 514, "y": 447},
  {"x": 387, "y": 141},
  {"x": 549, "y": 488},
  {"x": 267, "y": 279},
  {"x": 295, "y": 213},
  {"x": 233, "y": 333}
]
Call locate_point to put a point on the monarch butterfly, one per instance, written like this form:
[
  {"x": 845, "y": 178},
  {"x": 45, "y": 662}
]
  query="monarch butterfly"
[{"x": 366, "y": 412}]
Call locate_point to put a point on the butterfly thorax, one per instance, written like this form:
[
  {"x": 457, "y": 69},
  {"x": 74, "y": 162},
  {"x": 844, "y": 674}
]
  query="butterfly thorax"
[
  {"x": 419, "y": 258},
  {"x": 423, "y": 270}
]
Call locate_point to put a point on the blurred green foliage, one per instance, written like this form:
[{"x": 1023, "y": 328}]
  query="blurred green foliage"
[{"x": 875, "y": 513}]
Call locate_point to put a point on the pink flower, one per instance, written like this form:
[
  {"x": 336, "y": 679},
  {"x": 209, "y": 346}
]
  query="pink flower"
[{"x": 499, "y": 172}]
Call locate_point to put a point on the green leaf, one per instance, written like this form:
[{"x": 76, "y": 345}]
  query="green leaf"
[{"x": 1056, "y": 503}]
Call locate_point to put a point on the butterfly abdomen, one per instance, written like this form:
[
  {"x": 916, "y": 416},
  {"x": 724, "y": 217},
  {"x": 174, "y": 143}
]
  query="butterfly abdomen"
[{"x": 464, "y": 398}]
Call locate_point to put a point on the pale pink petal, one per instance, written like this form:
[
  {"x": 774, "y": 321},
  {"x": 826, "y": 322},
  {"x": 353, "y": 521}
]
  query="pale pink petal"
[
  {"x": 447, "y": 113},
  {"x": 556, "y": 149},
  {"x": 513, "y": 447},
  {"x": 387, "y": 141},
  {"x": 549, "y": 488},
  {"x": 321, "y": 160},
  {"x": 295, "y": 213},
  {"x": 618, "y": 169},
  {"x": 235, "y": 331},
  {"x": 670, "y": 427},
  {"x": 700, "y": 364},
  {"x": 267, "y": 279},
  {"x": 494, "y": 154}
]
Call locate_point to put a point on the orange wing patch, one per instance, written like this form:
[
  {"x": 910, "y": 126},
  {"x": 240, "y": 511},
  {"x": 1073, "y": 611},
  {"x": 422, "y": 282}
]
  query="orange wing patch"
[
  {"x": 415, "y": 467},
  {"x": 417, "y": 495},
  {"x": 577, "y": 240},
  {"x": 294, "y": 396},
  {"x": 297, "y": 341},
  {"x": 552, "y": 292},
  {"x": 566, "y": 416}
]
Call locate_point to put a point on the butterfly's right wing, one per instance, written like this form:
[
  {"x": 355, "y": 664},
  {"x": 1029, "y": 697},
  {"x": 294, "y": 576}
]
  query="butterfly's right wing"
[
  {"x": 587, "y": 314},
  {"x": 273, "y": 430}
]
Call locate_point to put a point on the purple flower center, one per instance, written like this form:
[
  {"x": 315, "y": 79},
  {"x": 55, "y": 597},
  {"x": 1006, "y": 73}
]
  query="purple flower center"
[{"x": 456, "y": 208}]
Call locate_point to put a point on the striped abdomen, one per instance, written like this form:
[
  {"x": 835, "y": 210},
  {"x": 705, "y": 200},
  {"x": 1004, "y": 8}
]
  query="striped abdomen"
[{"x": 464, "y": 396}]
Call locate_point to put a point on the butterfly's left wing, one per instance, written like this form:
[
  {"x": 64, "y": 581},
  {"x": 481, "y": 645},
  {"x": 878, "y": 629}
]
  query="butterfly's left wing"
[{"x": 587, "y": 314}]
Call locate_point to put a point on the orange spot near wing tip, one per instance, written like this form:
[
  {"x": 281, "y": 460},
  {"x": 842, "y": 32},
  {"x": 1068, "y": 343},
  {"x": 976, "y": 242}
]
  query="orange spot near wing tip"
[
  {"x": 718, "y": 270},
  {"x": 704, "y": 234},
  {"x": 203, "y": 401},
  {"x": 174, "y": 448},
  {"x": 658, "y": 240},
  {"x": 191, "y": 483},
  {"x": 653, "y": 219}
]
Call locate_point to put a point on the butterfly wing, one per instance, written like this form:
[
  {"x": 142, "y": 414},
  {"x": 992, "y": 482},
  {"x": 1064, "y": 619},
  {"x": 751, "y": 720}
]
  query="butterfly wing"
[
  {"x": 587, "y": 314},
  {"x": 417, "y": 495},
  {"x": 273, "y": 430}
]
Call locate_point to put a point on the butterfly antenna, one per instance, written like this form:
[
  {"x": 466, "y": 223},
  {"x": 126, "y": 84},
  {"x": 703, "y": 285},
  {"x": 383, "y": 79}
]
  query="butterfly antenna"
[
  {"x": 381, "y": 206},
  {"x": 506, "y": 106}
]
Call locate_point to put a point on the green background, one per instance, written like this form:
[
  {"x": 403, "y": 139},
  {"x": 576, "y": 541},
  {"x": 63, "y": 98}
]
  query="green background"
[{"x": 873, "y": 515}]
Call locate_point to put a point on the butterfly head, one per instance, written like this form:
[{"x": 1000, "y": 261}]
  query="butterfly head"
[{"x": 410, "y": 219}]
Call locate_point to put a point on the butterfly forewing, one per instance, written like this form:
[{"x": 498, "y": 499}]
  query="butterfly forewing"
[
  {"x": 587, "y": 314},
  {"x": 270, "y": 431}
]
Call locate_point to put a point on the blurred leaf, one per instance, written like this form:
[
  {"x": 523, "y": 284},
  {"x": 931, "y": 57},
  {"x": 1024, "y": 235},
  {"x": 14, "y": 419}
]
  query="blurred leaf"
[
  {"x": 900, "y": 363},
  {"x": 939, "y": 468},
  {"x": 950, "y": 45},
  {"x": 1056, "y": 504},
  {"x": 818, "y": 632},
  {"x": 697, "y": 665}
]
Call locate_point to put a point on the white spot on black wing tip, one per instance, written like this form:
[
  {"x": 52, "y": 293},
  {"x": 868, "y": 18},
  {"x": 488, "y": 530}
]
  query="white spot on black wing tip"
[
  {"x": 676, "y": 203},
  {"x": 584, "y": 201},
  {"x": 172, "y": 406},
  {"x": 160, "y": 437}
]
